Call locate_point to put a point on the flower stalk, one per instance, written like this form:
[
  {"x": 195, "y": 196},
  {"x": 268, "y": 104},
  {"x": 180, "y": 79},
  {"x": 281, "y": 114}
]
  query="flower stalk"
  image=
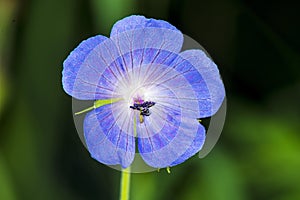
[{"x": 125, "y": 184}]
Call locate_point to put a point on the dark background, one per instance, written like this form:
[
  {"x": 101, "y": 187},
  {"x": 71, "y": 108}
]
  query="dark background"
[{"x": 257, "y": 48}]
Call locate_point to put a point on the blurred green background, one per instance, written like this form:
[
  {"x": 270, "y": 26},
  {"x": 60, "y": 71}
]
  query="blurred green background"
[{"x": 257, "y": 48}]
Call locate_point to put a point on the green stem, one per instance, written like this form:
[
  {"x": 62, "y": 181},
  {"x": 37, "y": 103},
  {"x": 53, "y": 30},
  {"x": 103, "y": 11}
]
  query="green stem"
[
  {"x": 99, "y": 103},
  {"x": 125, "y": 184}
]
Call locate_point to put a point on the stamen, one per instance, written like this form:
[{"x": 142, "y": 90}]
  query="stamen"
[{"x": 143, "y": 107}]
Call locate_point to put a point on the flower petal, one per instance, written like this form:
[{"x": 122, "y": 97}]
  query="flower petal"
[
  {"x": 210, "y": 90},
  {"x": 106, "y": 141},
  {"x": 166, "y": 147},
  {"x": 169, "y": 131},
  {"x": 84, "y": 67},
  {"x": 195, "y": 147},
  {"x": 139, "y": 22},
  {"x": 137, "y": 32},
  {"x": 161, "y": 82}
]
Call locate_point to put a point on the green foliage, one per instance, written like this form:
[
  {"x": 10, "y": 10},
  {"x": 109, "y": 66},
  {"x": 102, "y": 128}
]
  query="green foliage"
[
  {"x": 107, "y": 12},
  {"x": 6, "y": 186},
  {"x": 3, "y": 90}
]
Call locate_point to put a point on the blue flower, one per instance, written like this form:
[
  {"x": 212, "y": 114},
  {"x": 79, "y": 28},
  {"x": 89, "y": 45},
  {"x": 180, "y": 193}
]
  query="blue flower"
[{"x": 156, "y": 93}]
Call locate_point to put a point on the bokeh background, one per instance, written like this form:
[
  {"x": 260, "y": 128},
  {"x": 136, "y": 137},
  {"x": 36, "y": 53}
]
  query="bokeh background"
[{"x": 257, "y": 48}]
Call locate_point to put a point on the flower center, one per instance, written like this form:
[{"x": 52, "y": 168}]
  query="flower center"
[{"x": 142, "y": 106}]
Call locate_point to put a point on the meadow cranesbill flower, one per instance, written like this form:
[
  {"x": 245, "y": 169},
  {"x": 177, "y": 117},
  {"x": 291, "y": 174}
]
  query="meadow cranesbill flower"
[{"x": 153, "y": 93}]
